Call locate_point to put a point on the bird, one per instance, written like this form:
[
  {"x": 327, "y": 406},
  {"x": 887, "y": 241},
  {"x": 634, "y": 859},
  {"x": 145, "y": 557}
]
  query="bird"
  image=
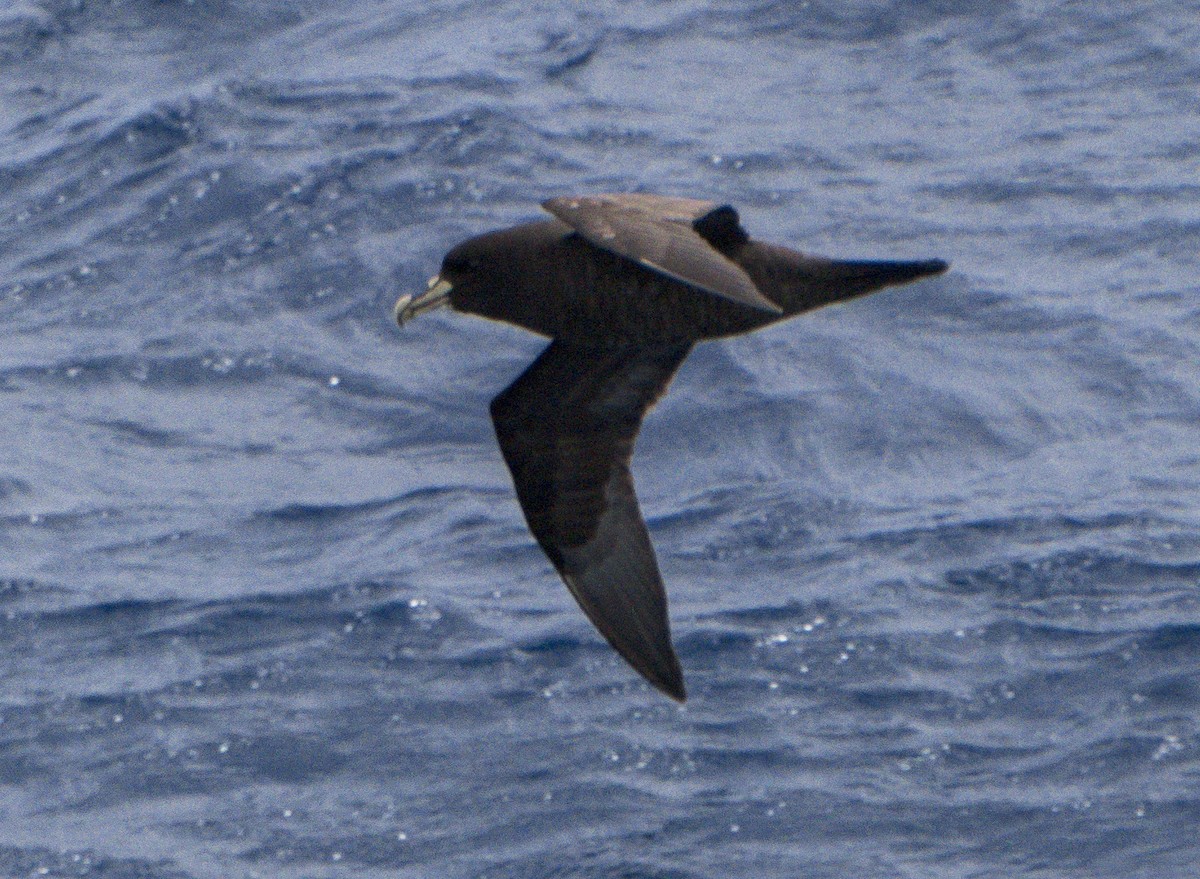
[{"x": 623, "y": 285}]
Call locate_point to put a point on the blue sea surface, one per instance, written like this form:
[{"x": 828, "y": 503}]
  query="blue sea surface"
[{"x": 269, "y": 608}]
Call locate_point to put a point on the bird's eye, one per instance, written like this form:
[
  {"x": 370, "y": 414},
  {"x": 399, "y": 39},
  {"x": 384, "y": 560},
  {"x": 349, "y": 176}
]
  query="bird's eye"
[{"x": 460, "y": 263}]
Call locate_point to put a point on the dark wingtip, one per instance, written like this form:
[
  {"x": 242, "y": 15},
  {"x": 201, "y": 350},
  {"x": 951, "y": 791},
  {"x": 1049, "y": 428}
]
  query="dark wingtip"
[
  {"x": 666, "y": 677},
  {"x": 659, "y": 666},
  {"x": 673, "y": 688},
  {"x": 934, "y": 266}
]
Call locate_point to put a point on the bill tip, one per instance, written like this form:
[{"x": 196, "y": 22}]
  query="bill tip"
[{"x": 400, "y": 308}]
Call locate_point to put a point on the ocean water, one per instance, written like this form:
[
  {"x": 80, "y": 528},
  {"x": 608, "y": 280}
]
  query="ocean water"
[{"x": 268, "y": 607}]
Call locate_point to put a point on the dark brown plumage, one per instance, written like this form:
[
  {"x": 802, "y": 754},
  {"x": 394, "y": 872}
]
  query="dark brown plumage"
[{"x": 623, "y": 285}]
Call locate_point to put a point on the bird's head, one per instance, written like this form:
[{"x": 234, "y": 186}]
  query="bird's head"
[
  {"x": 472, "y": 274},
  {"x": 487, "y": 276}
]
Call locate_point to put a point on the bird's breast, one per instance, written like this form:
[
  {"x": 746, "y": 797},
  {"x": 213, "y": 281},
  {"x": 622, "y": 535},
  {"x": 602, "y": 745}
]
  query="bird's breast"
[{"x": 576, "y": 291}]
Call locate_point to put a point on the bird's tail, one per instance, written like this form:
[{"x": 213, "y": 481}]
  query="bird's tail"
[{"x": 802, "y": 282}]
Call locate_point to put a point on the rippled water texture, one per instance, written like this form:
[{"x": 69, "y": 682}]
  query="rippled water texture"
[{"x": 267, "y": 603}]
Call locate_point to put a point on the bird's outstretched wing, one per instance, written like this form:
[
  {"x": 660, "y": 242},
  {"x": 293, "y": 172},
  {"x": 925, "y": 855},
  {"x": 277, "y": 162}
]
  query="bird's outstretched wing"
[
  {"x": 567, "y": 427},
  {"x": 676, "y": 237}
]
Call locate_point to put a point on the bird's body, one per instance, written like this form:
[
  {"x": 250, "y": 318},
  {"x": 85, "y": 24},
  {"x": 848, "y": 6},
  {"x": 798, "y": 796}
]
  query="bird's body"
[{"x": 624, "y": 285}]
